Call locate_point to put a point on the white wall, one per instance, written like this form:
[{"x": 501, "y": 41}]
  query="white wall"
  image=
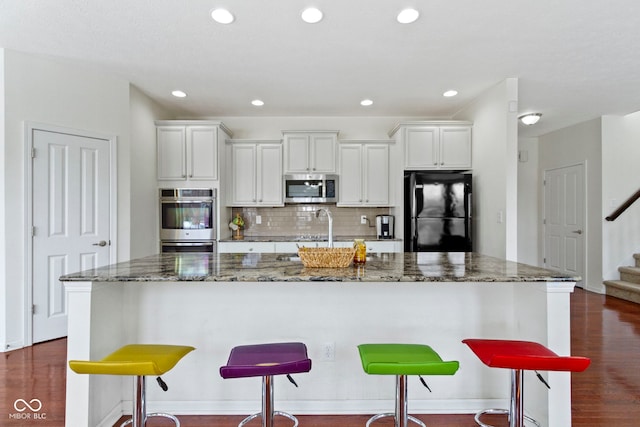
[
  {"x": 528, "y": 203},
  {"x": 144, "y": 183},
  {"x": 495, "y": 142},
  {"x": 42, "y": 90},
  {"x": 571, "y": 146},
  {"x": 620, "y": 179}
]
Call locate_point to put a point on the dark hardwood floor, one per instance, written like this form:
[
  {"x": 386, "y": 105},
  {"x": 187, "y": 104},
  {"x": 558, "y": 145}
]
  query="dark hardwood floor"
[{"x": 603, "y": 328}]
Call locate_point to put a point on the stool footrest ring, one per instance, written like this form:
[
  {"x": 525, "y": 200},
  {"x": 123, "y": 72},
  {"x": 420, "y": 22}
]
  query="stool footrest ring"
[
  {"x": 155, "y": 414},
  {"x": 259, "y": 415},
  {"x": 499, "y": 412},
  {"x": 391, "y": 414}
]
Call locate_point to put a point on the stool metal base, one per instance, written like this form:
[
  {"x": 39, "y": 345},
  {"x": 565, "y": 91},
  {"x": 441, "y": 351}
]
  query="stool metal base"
[
  {"x": 259, "y": 414},
  {"x": 139, "y": 416},
  {"x": 401, "y": 415},
  {"x": 155, "y": 414},
  {"x": 499, "y": 412},
  {"x": 268, "y": 413},
  {"x": 516, "y": 411}
]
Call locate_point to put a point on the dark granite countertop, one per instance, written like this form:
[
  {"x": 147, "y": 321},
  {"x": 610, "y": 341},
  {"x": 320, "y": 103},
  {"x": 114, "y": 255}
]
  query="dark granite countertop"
[
  {"x": 303, "y": 239},
  {"x": 256, "y": 267}
]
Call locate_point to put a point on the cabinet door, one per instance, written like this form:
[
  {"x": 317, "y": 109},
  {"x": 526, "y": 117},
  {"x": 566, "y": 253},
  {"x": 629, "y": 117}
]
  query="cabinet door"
[
  {"x": 421, "y": 147},
  {"x": 455, "y": 147},
  {"x": 296, "y": 153},
  {"x": 243, "y": 174},
  {"x": 323, "y": 153},
  {"x": 350, "y": 185},
  {"x": 171, "y": 151},
  {"x": 202, "y": 149},
  {"x": 376, "y": 175},
  {"x": 270, "y": 184}
]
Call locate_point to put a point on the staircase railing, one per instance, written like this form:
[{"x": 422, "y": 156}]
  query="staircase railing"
[{"x": 623, "y": 207}]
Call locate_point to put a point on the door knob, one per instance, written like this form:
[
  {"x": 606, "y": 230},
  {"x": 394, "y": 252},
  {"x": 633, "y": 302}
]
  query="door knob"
[
  {"x": 100, "y": 243},
  {"x": 577, "y": 231}
]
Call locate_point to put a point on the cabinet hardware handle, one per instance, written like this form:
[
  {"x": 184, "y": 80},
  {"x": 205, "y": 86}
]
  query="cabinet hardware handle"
[{"x": 577, "y": 231}]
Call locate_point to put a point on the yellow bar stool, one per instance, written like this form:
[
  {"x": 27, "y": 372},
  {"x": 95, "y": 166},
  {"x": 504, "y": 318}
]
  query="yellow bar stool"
[{"x": 139, "y": 360}]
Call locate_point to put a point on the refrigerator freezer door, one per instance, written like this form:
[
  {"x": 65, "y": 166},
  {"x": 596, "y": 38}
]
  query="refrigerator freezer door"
[{"x": 441, "y": 235}]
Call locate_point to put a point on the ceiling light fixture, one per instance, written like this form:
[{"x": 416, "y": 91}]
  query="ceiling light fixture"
[
  {"x": 450, "y": 93},
  {"x": 179, "y": 94},
  {"x": 311, "y": 15},
  {"x": 530, "y": 118},
  {"x": 222, "y": 16},
  {"x": 407, "y": 16},
  {"x": 366, "y": 102},
  {"x": 257, "y": 102}
]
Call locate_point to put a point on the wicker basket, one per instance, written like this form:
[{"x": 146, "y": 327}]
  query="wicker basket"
[{"x": 326, "y": 257}]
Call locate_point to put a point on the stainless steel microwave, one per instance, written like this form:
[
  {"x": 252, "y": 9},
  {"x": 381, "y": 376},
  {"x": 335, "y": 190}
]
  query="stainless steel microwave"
[{"x": 310, "y": 188}]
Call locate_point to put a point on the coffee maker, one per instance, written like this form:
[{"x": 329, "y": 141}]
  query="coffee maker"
[{"x": 384, "y": 226}]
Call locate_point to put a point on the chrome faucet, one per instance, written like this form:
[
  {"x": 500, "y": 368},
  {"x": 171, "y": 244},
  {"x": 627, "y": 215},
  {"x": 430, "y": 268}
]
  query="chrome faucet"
[{"x": 330, "y": 223}]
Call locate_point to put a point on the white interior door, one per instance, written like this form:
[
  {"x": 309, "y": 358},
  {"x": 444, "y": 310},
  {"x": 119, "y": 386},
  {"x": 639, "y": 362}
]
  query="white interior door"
[
  {"x": 564, "y": 220},
  {"x": 70, "y": 202}
]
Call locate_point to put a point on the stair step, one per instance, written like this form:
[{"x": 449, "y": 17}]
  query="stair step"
[
  {"x": 630, "y": 274},
  {"x": 623, "y": 290}
]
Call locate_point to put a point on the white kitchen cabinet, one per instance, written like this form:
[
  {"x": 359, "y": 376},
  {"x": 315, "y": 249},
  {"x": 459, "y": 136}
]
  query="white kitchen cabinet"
[
  {"x": 256, "y": 173},
  {"x": 364, "y": 174},
  {"x": 246, "y": 247},
  {"x": 188, "y": 150},
  {"x": 436, "y": 146},
  {"x": 310, "y": 152}
]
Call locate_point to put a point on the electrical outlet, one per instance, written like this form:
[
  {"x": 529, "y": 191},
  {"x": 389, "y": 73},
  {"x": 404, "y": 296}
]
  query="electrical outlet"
[
  {"x": 328, "y": 352},
  {"x": 258, "y": 219},
  {"x": 363, "y": 219}
]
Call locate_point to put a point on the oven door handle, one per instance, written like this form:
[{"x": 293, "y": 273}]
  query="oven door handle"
[
  {"x": 187, "y": 243},
  {"x": 186, "y": 201}
]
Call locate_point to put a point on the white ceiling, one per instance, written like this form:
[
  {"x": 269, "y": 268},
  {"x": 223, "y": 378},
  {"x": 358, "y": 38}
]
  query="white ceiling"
[{"x": 575, "y": 59}]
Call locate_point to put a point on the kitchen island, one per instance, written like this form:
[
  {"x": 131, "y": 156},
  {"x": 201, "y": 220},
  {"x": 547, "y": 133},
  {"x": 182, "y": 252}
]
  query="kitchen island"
[{"x": 217, "y": 301}]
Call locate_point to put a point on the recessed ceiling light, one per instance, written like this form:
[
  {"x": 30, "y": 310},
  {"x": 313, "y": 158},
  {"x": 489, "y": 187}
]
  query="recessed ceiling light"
[
  {"x": 311, "y": 15},
  {"x": 257, "y": 102},
  {"x": 178, "y": 94},
  {"x": 407, "y": 16},
  {"x": 450, "y": 93},
  {"x": 530, "y": 118},
  {"x": 366, "y": 102},
  {"x": 222, "y": 16}
]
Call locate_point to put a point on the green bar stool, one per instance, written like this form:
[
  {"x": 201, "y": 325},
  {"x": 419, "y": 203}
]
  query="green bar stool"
[
  {"x": 139, "y": 360},
  {"x": 402, "y": 360}
]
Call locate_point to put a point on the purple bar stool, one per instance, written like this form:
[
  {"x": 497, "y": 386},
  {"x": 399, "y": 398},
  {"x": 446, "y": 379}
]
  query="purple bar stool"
[{"x": 267, "y": 360}]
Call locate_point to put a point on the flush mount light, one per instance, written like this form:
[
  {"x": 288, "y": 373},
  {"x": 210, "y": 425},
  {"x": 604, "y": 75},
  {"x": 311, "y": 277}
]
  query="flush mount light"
[
  {"x": 407, "y": 16},
  {"x": 257, "y": 102},
  {"x": 311, "y": 15},
  {"x": 366, "y": 102},
  {"x": 178, "y": 94},
  {"x": 222, "y": 16},
  {"x": 450, "y": 93},
  {"x": 530, "y": 118}
]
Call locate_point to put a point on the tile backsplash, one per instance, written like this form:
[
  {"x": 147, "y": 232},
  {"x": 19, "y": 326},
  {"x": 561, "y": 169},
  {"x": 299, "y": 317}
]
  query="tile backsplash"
[{"x": 300, "y": 220}]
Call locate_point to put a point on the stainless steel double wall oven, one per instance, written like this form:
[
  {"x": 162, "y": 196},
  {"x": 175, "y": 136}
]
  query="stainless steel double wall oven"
[{"x": 187, "y": 219}]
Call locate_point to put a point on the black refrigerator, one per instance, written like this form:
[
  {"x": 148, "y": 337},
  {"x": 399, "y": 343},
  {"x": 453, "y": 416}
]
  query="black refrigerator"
[{"x": 437, "y": 212}]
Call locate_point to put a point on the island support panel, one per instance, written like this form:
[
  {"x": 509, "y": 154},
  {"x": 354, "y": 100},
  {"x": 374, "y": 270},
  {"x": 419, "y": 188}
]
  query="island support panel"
[{"x": 216, "y": 316}]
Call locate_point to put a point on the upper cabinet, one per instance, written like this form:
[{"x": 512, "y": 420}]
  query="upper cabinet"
[
  {"x": 310, "y": 151},
  {"x": 435, "y": 145},
  {"x": 364, "y": 173},
  {"x": 256, "y": 173},
  {"x": 188, "y": 150}
]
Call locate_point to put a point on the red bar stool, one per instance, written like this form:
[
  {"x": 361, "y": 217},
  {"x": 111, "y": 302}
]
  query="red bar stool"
[{"x": 520, "y": 356}]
